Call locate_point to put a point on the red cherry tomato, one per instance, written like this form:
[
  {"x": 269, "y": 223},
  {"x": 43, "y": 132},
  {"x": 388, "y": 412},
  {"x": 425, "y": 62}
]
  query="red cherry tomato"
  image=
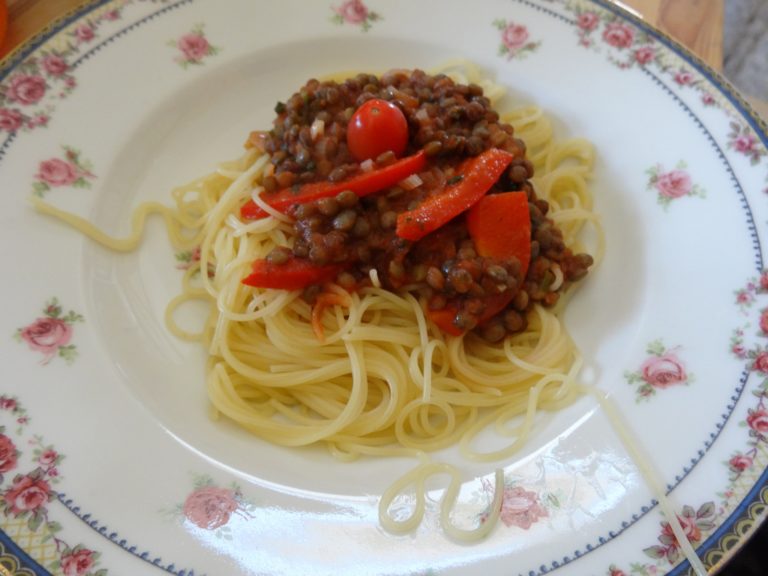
[{"x": 377, "y": 127}]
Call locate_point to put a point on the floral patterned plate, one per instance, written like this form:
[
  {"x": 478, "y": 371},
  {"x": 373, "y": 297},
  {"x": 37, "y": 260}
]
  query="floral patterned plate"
[{"x": 109, "y": 463}]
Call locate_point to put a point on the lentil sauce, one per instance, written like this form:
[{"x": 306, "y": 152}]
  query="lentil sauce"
[{"x": 450, "y": 122}]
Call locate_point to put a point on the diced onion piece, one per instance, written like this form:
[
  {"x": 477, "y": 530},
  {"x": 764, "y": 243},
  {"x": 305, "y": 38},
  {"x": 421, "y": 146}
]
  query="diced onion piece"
[
  {"x": 413, "y": 181},
  {"x": 317, "y": 129},
  {"x": 373, "y": 274},
  {"x": 422, "y": 115},
  {"x": 366, "y": 165},
  {"x": 559, "y": 277}
]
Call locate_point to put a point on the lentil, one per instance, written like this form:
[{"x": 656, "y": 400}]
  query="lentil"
[
  {"x": 450, "y": 122},
  {"x": 435, "y": 278},
  {"x": 279, "y": 255},
  {"x": 328, "y": 206},
  {"x": 346, "y": 199},
  {"x": 345, "y": 221}
]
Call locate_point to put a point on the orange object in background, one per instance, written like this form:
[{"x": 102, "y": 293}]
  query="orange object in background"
[{"x": 3, "y": 21}]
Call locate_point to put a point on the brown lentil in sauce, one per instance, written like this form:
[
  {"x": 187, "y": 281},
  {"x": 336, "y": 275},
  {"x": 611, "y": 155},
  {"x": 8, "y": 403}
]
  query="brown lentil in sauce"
[{"x": 451, "y": 122}]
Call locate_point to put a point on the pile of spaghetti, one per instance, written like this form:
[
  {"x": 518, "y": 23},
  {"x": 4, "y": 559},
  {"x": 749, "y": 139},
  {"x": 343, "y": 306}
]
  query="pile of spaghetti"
[
  {"x": 392, "y": 292},
  {"x": 385, "y": 272}
]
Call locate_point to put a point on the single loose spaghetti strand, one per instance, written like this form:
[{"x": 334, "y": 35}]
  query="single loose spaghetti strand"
[{"x": 651, "y": 477}]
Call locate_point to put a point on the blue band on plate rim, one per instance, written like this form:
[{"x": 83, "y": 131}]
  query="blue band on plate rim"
[
  {"x": 14, "y": 561},
  {"x": 750, "y": 514}
]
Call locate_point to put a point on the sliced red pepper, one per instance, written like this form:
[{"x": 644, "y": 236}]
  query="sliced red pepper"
[
  {"x": 294, "y": 274},
  {"x": 362, "y": 185},
  {"x": 444, "y": 318},
  {"x": 321, "y": 303},
  {"x": 477, "y": 175},
  {"x": 500, "y": 226}
]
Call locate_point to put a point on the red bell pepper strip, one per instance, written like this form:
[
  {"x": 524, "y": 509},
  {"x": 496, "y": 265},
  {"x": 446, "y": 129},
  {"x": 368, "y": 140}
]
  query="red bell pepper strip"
[
  {"x": 444, "y": 318},
  {"x": 321, "y": 303},
  {"x": 294, "y": 274},
  {"x": 362, "y": 185},
  {"x": 500, "y": 226},
  {"x": 477, "y": 174}
]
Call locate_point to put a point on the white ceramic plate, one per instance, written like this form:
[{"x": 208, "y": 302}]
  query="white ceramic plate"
[{"x": 109, "y": 462}]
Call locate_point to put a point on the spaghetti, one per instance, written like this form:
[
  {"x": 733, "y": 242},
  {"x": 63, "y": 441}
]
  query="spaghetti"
[{"x": 367, "y": 371}]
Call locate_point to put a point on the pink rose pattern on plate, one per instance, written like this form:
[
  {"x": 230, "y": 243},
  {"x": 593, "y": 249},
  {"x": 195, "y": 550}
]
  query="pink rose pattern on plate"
[
  {"x": 27, "y": 491},
  {"x": 9, "y": 455},
  {"x": 27, "y": 494},
  {"x": 515, "y": 40},
  {"x": 10, "y": 405},
  {"x": 630, "y": 46},
  {"x": 211, "y": 507},
  {"x": 193, "y": 47},
  {"x": 25, "y": 89},
  {"x": 672, "y": 184},
  {"x": 78, "y": 562},
  {"x": 749, "y": 344},
  {"x": 742, "y": 139},
  {"x": 694, "y": 524},
  {"x": 356, "y": 13},
  {"x": 627, "y": 45},
  {"x": 51, "y": 333},
  {"x": 596, "y": 28},
  {"x": 520, "y": 507},
  {"x": 755, "y": 357},
  {"x": 27, "y": 96},
  {"x": 662, "y": 369},
  {"x": 25, "y": 104},
  {"x": 71, "y": 170}
]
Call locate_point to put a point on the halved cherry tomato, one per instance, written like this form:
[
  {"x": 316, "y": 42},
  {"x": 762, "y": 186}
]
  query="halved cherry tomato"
[{"x": 376, "y": 127}]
